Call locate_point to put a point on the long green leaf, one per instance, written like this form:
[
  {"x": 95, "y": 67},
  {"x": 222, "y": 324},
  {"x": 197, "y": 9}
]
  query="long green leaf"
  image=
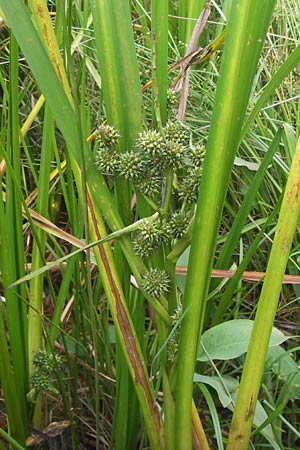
[
  {"x": 159, "y": 32},
  {"x": 194, "y": 8},
  {"x": 18, "y": 428},
  {"x": 13, "y": 375},
  {"x": 122, "y": 98},
  {"x": 246, "y": 32}
]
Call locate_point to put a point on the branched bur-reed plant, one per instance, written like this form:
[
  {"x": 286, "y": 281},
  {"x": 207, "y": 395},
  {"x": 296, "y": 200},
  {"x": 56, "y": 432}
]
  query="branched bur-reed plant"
[
  {"x": 146, "y": 166},
  {"x": 144, "y": 190}
]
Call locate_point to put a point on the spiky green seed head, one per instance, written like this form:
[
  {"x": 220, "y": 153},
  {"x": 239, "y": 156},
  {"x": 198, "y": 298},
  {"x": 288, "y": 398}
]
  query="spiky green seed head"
[
  {"x": 172, "y": 349},
  {"x": 188, "y": 189},
  {"x": 106, "y": 136},
  {"x": 132, "y": 165},
  {"x": 172, "y": 99},
  {"x": 46, "y": 362},
  {"x": 40, "y": 359},
  {"x": 142, "y": 247},
  {"x": 173, "y": 345},
  {"x": 176, "y": 131},
  {"x": 154, "y": 232},
  {"x": 150, "y": 186},
  {"x": 40, "y": 381},
  {"x": 155, "y": 282},
  {"x": 178, "y": 224},
  {"x": 175, "y": 154},
  {"x": 150, "y": 236},
  {"x": 197, "y": 154},
  {"x": 176, "y": 315},
  {"x": 152, "y": 143},
  {"x": 107, "y": 161}
]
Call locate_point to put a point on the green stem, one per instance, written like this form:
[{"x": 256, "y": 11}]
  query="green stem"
[
  {"x": 246, "y": 32},
  {"x": 160, "y": 58},
  {"x": 37, "y": 283}
]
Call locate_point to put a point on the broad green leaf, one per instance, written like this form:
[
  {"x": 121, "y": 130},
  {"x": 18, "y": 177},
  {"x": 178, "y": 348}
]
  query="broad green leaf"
[
  {"x": 224, "y": 386},
  {"x": 231, "y": 339}
]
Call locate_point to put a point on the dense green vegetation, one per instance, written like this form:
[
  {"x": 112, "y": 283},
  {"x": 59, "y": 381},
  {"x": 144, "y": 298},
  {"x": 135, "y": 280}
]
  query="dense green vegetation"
[{"x": 149, "y": 224}]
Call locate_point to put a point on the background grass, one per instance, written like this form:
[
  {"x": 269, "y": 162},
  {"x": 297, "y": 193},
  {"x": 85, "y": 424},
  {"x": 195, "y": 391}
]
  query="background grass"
[{"x": 73, "y": 304}]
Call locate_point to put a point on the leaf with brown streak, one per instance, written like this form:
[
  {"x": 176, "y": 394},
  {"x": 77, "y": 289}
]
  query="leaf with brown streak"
[{"x": 127, "y": 336}]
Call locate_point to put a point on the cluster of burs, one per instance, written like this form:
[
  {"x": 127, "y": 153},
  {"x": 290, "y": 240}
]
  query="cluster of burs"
[
  {"x": 155, "y": 152},
  {"x": 42, "y": 379},
  {"x": 159, "y": 157}
]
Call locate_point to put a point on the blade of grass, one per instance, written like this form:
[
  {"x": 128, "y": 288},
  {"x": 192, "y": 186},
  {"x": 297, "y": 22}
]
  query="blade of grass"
[
  {"x": 63, "y": 113},
  {"x": 127, "y": 336},
  {"x": 9, "y": 385},
  {"x": 235, "y": 230},
  {"x": 228, "y": 295},
  {"x": 213, "y": 413},
  {"x": 182, "y": 14},
  {"x": 255, "y": 360},
  {"x": 12, "y": 265},
  {"x": 11, "y": 441},
  {"x": 117, "y": 56},
  {"x": 281, "y": 73},
  {"x": 246, "y": 32},
  {"x": 43, "y": 23}
]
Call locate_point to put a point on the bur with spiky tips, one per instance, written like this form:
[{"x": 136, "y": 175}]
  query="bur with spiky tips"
[
  {"x": 188, "y": 189},
  {"x": 152, "y": 143},
  {"x": 40, "y": 381},
  {"x": 132, "y": 166},
  {"x": 106, "y": 136},
  {"x": 107, "y": 161},
  {"x": 173, "y": 345},
  {"x": 177, "y": 132},
  {"x": 172, "y": 101},
  {"x": 175, "y": 154},
  {"x": 178, "y": 224},
  {"x": 150, "y": 186},
  {"x": 141, "y": 247},
  {"x": 155, "y": 282},
  {"x": 154, "y": 231},
  {"x": 46, "y": 362},
  {"x": 197, "y": 154},
  {"x": 150, "y": 236}
]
